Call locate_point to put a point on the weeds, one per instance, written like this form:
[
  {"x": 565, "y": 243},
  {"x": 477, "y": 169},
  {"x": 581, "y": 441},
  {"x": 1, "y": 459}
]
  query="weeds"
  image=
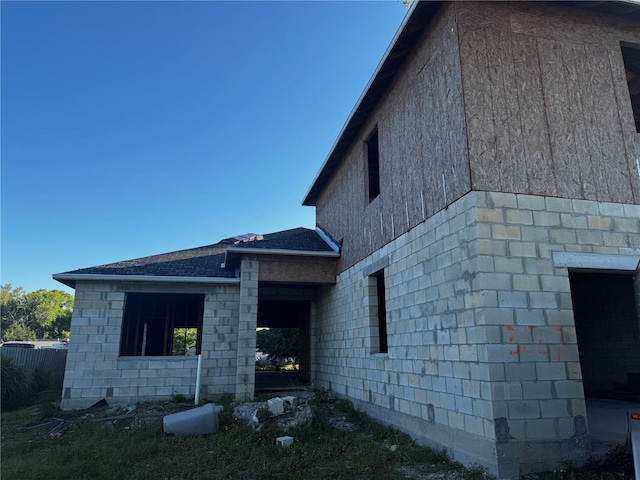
[
  {"x": 367, "y": 451},
  {"x": 20, "y": 389},
  {"x": 617, "y": 465},
  {"x": 179, "y": 398}
]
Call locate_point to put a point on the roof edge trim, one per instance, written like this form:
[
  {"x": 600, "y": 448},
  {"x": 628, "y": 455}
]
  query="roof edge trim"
[
  {"x": 266, "y": 251},
  {"x": 327, "y": 239},
  {"x": 62, "y": 277},
  {"x": 306, "y": 201}
]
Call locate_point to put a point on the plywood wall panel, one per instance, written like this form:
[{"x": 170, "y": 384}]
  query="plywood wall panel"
[
  {"x": 560, "y": 114},
  {"x": 577, "y": 100},
  {"x": 537, "y": 151},
  {"x": 631, "y": 138},
  {"x": 512, "y": 175},
  {"x": 542, "y": 90},
  {"x": 478, "y": 100},
  {"x": 289, "y": 269},
  {"x": 595, "y": 186},
  {"x": 612, "y": 162},
  {"x": 422, "y": 137}
]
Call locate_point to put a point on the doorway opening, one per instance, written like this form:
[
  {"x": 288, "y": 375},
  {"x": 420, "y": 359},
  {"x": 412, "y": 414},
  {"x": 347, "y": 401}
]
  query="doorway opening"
[
  {"x": 282, "y": 354},
  {"x": 608, "y": 334}
]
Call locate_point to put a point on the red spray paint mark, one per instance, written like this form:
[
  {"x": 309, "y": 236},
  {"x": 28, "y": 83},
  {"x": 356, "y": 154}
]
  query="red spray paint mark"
[{"x": 535, "y": 332}]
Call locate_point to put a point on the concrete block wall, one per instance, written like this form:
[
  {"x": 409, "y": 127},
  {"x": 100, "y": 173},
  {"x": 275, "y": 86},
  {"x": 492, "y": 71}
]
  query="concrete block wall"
[
  {"x": 248, "y": 321},
  {"x": 95, "y": 369},
  {"x": 480, "y": 328}
]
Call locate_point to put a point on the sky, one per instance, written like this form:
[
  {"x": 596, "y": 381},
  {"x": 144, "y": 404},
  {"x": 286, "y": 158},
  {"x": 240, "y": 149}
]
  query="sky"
[{"x": 131, "y": 129}]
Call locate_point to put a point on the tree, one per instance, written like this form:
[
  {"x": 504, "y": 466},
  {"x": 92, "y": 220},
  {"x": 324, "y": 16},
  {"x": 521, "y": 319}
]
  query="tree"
[
  {"x": 39, "y": 314},
  {"x": 18, "y": 331},
  {"x": 279, "y": 344},
  {"x": 184, "y": 339}
]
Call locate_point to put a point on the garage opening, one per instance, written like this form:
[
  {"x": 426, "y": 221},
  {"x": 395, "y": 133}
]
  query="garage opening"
[
  {"x": 608, "y": 333},
  {"x": 282, "y": 356}
]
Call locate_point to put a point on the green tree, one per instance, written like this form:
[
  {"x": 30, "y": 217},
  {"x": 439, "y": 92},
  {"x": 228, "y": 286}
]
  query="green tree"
[
  {"x": 18, "y": 331},
  {"x": 278, "y": 343},
  {"x": 183, "y": 340},
  {"x": 46, "y": 313}
]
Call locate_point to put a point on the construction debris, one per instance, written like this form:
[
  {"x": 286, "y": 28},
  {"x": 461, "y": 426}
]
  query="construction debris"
[
  {"x": 276, "y": 406},
  {"x": 291, "y": 414},
  {"x": 285, "y": 441}
]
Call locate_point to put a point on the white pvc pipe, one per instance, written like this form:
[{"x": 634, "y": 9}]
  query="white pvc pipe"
[{"x": 198, "y": 374}]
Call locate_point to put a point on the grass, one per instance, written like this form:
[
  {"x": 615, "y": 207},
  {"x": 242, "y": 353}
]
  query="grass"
[{"x": 89, "y": 450}]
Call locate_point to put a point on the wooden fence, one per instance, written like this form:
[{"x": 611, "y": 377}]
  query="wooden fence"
[{"x": 32, "y": 358}]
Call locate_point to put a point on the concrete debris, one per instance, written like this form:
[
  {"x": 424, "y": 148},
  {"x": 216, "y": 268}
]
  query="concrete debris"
[
  {"x": 121, "y": 415},
  {"x": 291, "y": 415},
  {"x": 247, "y": 411},
  {"x": 295, "y": 417},
  {"x": 290, "y": 401},
  {"x": 276, "y": 405},
  {"x": 285, "y": 441},
  {"x": 341, "y": 423},
  {"x": 254, "y": 421}
]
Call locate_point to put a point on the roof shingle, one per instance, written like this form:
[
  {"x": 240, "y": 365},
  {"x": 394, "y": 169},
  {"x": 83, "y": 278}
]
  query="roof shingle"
[{"x": 206, "y": 261}]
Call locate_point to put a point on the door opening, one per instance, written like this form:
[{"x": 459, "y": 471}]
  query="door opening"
[
  {"x": 608, "y": 335},
  {"x": 282, "y": 356}
]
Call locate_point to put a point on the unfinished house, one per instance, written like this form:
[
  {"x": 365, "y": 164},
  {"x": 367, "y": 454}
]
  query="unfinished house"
[{"x": 473, "y": 279}]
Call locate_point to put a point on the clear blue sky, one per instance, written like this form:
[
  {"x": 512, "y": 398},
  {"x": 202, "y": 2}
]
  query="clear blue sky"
[{"x": 136, "y": 128}]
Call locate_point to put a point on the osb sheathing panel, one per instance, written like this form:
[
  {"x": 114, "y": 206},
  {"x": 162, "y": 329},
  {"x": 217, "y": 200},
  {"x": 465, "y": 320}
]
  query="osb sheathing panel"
[
  {"x": 307, "y": 270},
  {"x": 547, "y": 104},
  {"x": 423, "y": 152}
]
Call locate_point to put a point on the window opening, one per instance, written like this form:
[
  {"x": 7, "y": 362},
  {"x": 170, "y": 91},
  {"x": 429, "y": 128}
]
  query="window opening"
[
  {"x": 373, "y": 165},
  {"x": 379, "y": 312},
  {"x": 631, "y": 59},
  {"x": 157, "y": 324}
]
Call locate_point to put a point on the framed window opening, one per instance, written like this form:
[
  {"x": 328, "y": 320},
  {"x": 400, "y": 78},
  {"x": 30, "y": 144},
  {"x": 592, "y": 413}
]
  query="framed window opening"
[
  {"x": 162, "y": 324},
  {"x": 373, "y": 165},
  {"x": 631, "y": 59},
  {"x": 378, "y": 313}
]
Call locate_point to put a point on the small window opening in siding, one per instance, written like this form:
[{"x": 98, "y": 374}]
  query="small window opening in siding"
[
  {"x": 373, "y": 165},
  {"x": 378, "y": 305},
  {"x": 631, "y": 58},
  {"x": 162, "y": 324}
]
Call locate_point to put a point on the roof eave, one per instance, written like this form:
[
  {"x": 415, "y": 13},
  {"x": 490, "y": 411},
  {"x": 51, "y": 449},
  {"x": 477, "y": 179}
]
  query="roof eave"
[
  {"x": 282, "y": 251},
  {"x": 70, "y": 279},
  {"x": 390, "y": 56}
]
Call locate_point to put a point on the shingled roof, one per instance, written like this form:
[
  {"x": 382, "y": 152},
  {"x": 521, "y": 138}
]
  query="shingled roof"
[
  {"x": 296, "y": 239},
  {"x": 202, "y": 264}
]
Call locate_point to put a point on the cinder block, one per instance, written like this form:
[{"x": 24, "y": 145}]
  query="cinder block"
[
  {"x": 531, "y": 202},
  {"x": 540, "y": 428},
  {"x": 276, "y": 405},
  {"x": 506, "y": 232},
  {"x": 290, "y": 401},
  {"x": 522, "y": 217}
]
